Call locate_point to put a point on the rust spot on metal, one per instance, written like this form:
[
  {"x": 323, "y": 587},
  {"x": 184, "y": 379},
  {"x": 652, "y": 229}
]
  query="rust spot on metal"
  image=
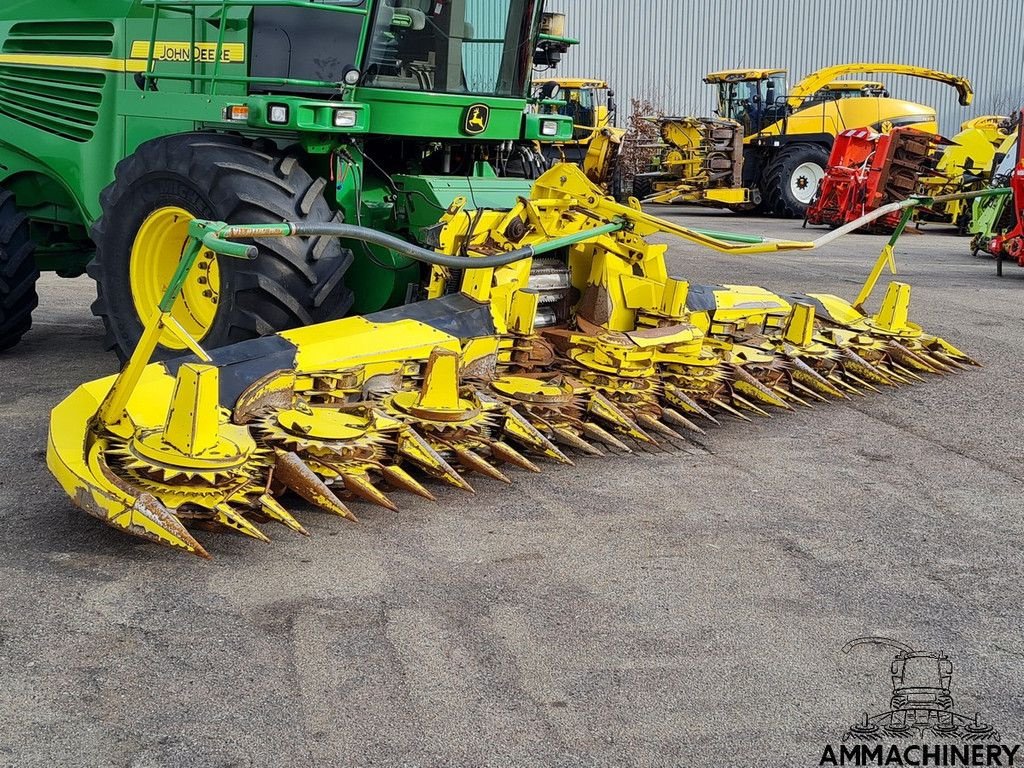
[
  {"x": 275, "y": 391},
  {"x": 482, "y": 368}
]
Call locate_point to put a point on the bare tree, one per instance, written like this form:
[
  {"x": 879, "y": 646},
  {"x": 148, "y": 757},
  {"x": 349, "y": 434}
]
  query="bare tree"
[{"x": 642, "y": 141}]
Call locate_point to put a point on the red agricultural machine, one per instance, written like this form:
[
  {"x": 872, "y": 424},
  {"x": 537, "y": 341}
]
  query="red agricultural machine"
[
  {"x": 1010, "y": 245},
  {"x": 867, "y": 170}
]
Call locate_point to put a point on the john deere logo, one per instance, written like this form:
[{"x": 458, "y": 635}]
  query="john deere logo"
[{"x": 477, "y": 118}]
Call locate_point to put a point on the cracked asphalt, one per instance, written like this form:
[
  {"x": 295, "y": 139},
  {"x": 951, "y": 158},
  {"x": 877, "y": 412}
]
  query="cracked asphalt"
[{"x": 683, "y": 608}]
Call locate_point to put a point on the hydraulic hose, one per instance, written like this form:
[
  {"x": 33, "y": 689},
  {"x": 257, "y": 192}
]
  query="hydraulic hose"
[{"x": 217, "y": 239}]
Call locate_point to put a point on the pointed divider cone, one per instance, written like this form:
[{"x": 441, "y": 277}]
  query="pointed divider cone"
[
  {"x": 654, "y": 425},
  {"x": 942, "y": 357},
  {"x": 149, "y": 519},
  {"x": 571, "y": 439},
  {"x": 743, "y": 402},
  {"x": 475, "y": 463},
  {"x": 361, "y": 487},
  {"x": 506, "y": 453},
  {"x": 293, "y": 473},
  {"x": 595, "y": 432},
  {"x": 399, "y": 478},
  {"x": 864, "y": 370},
  {"x": 413, "y": 447},
  {"x": 729, "y": 409},
  {"x": 680, "y": 399},
  {"x": 519, "y": 428},
  {"x": 913, "y": 360},
  {"x": 945, "y": 348},
  {"x": 603, "y": 408},
  {"x": 677, "y": 419},
  {"x": 816, "y": 381},
  {"x": 229, "y": 518},
  {"x": 751, "y": 387},
  {"x": 810, "y": 392},
  {"x": 273, "y": 509}
]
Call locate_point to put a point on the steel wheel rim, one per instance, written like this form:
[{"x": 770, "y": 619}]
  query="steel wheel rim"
[
  {"x": 804, "y": 181},
  {"x": 155, "y": 254}
]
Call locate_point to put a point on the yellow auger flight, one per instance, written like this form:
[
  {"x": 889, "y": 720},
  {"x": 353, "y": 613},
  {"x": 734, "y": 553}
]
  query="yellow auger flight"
[{"x": 495, "y": 371}]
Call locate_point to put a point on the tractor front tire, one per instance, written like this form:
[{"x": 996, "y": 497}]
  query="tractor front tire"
[
  {"x": 18, "y": 273},
  {"x": 790, "y": 180},
  {"x": 142, "y": 232}
]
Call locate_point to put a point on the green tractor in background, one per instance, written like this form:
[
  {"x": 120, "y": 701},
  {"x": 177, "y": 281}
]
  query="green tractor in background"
[{"x": 122, "y": 120}]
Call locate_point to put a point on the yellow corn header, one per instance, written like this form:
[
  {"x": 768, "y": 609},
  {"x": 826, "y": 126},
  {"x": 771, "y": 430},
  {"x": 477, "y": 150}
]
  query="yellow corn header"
[{"x": 494, "y": 371}]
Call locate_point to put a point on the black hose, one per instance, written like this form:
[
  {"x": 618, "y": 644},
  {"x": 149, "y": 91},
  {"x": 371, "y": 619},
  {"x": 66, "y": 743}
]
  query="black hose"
[{"x": 397, "y": 244}]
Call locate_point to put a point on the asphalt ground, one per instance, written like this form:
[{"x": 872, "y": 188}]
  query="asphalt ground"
[{"x": 684, "y": 608}]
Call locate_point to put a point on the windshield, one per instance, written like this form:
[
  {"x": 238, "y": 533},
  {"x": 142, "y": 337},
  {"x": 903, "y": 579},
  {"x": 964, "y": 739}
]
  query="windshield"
[
  {"x": 1006, "y": 166},
  {"x": 588, "y": 108},
  {"x": 753, "y": 104},
  {"x": 480, "y": 47}
]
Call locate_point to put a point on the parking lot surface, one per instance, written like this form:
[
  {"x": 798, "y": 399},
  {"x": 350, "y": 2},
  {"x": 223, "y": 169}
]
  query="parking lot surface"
[{"x": 680, "y": 608}]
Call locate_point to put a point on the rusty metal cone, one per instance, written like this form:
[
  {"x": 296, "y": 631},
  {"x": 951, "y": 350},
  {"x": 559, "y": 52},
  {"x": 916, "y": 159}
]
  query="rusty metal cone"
[
  {"x": 680, "y": 399},
  {"x": 744, "y": 403},
  {"x": 729, "y": 409},
  {"x": 292, "y": 472},
  {"x": 783, "y": 392},
  {"x": 677, "y": 419},
  {"x": 594, "y": 432},
  {"x": 361, "y": 487},
  {"x": 399, "y": 478},
  {"x": 275, "y": 511},
  {"x": 571, "y": 439},
  {"x": 506, "y": 453},
  {"x": 654, "y": 425},
  {"x": 229, "y": 518},
  {"x": 861, "y": 382},
  {"x": 475, "y": 463}
]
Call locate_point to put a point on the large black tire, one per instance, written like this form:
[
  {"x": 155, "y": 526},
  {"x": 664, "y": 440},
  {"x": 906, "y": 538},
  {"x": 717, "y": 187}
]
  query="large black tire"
[
  {"x": 18, "y": 273},
  {"x": 782, "y": 174},
  {"x": 295, "y": 281},
  {"x": 643, "y": 184},
  {"x": 526, "y": 163}
]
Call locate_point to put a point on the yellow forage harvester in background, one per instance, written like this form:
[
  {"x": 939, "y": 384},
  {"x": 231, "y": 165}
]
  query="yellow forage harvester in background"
[{"x": 490, "y": 374}]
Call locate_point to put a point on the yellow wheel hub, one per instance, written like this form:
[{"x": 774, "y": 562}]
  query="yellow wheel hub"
[{"x": 156, "y": 251}]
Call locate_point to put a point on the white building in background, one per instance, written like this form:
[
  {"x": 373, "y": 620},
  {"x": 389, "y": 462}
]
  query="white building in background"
[{"x": 659, "y": 50}]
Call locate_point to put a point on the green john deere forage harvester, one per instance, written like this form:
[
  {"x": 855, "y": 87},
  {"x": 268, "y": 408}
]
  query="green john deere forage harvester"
[{"x": 122, "y": 120}]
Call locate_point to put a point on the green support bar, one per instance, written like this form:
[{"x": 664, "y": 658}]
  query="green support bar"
[
  {"x": 579, "y": 237},
  {"x": 731, "y": 237}
]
